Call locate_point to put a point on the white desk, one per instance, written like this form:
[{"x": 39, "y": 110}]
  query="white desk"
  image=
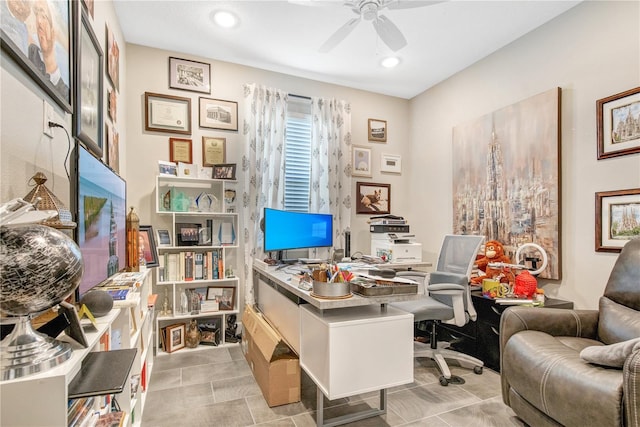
[{"x": 346, "y": 346}]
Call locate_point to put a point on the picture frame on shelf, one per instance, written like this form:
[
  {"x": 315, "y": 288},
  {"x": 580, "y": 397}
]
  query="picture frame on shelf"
[
  {"x": 372, "y": 198},
  {"x": 174, "y": 337},
  {"x": 213, "y": 150},
  {"x": 224, "y": 171},
  {"x": 187, "y": 234},
  {"x": 390, "y": 163},
  {"x": 617, "y": 136},
  {"x": 224, "y": 295},
  {"x": 361, "y": 160},
  {"x": 377, "y": 130},
  {"x": 611, "y": 208},
  {"x": 167, "y": 168},
  {"x": 187, "y": 170},
  {"x": 180, "y": 150},
  {"x": 193, "y": 76},
  {"x": 218, "y": 114},
  {"x": 147, "y": 246},
  {"x": 63, "y": 15},
  {"x": 210, "y": 331},
  {"x": 205, "y": 172},
  {"x": 164, "y": 238},
  {"x": 167, "y": 113},
  {"x": 88, "y": 92}
]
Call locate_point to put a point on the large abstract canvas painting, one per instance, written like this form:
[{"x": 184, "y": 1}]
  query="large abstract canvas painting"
[{"x": 506, "y": 169}]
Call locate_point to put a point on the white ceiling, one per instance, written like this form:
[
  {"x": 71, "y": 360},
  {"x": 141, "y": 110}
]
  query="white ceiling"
[{"x": 281, "y": 36}]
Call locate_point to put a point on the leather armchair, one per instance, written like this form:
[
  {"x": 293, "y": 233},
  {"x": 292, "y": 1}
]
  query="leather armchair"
[{"x": 544, "y": 379}]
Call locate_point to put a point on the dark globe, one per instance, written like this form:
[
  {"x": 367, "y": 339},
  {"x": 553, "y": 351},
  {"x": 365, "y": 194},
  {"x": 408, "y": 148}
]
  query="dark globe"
[{"x": 39, "y": 267}]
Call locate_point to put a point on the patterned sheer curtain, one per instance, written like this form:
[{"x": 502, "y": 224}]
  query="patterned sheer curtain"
[
  {"x": 262, "y": 168},
  {"x": 331, "y": 165}
]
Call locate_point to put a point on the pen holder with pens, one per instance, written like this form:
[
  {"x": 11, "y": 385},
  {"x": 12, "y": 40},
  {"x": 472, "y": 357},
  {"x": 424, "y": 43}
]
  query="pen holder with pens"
[{"x": 324, "y": 288}]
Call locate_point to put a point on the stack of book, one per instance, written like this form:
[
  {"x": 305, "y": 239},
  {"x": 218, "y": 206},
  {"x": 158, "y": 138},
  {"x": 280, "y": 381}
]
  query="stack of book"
[
  {"x": 122, "y": 286},
  {"x": 191, "y": 265}
]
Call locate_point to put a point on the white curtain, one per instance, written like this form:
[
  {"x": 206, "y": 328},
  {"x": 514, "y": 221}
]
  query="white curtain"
[
  {"x": 262, "y": 167},
  {"x": 331, "y": 165}
]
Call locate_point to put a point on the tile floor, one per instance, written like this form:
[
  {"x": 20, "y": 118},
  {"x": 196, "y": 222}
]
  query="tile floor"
[{"x": 214, "y": 386}]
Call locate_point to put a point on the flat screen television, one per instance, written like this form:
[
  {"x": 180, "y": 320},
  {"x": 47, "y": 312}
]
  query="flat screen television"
[
  {"x": 101, "y": 209},
  {"x": 284, "y": 230}
]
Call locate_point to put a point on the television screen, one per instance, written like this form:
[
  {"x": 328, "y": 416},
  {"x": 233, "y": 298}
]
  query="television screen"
[
  {"x": 285, "y": 230},
  {"x": 100, "y": 205}
]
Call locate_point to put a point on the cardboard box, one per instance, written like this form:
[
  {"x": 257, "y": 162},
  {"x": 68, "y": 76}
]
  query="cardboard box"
[{"x": 275, "y": 366}]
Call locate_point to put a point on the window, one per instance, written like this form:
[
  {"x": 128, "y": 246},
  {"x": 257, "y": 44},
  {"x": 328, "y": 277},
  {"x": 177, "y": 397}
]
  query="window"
[{"x": 297, "y": 155}]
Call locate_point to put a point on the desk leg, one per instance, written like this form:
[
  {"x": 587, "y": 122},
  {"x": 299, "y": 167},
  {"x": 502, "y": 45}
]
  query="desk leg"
[{"x": 348, "y": 418}]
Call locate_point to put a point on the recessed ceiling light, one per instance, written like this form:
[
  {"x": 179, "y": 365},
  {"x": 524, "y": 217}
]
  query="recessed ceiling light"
[
  {"x": 225, "y": 19},
  {"x": 390, "y": 62}
]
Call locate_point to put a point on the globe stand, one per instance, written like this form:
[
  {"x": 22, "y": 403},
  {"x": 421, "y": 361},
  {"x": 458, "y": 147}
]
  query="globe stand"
[{"x": 25, "y": 351}]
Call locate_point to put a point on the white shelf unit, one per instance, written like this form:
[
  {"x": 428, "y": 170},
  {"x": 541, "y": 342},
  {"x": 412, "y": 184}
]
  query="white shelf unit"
[
  {"x": 217, "y": 222},
  {"x": 42, "y": 399}
]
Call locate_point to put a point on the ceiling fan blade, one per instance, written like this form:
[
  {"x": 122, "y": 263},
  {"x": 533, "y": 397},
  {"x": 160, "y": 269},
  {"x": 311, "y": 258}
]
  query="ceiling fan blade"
[
  {"x": 339, "y": 35},
  {"x": 389, "y": 33},
  {"x": 409, "y": 4}
]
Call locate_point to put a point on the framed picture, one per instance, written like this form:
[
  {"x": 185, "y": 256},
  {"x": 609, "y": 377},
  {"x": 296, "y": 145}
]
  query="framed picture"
[
  {"x": 213, "y": 150},
  {"x": 89, "y": 5},
  {"x": 164, "y": 238},
  {"x": 167, "y": 113},
  {"x": 22, "y": 43},
  {"x": 390, "y": 163},
  {"x": 224, "y": 295},
  {"x": 174, "y": 337},
  {"x": 180, "y": 150},
  {"x": 187, "y": 234},
  {"x": 373, "y": 198},
  {"x": 167, "y": 168},
  {"x": 224, "y": 171},
  {"x": 218, "y": 114},
  {"x": 189, "y": 75},
  {"x": 187, "y": 170},
  {"x": 112, "y": 105},
  {"x": 617, "y": 216},
  {"x": 147, "y": 246},
  {"x": 113, "y": 59},
  {"x": 377, "y": 130},
  {"x": 618, "y": 117},
  {"x": 361, "y": 161},
  {"x": 88, "y": 119},
  {"x": 113, "y": 148}
]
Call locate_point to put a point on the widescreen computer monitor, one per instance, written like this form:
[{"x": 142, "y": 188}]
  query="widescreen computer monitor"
[{"x": 284, "y": 230}]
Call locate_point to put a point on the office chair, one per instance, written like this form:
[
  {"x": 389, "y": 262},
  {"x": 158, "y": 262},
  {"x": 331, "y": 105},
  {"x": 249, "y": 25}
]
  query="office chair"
[{"x": 446, "y": 299}]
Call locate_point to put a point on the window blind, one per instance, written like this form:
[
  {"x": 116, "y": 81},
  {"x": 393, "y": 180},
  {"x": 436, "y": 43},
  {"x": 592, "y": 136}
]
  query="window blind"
[{"x": 297, "y": 155}]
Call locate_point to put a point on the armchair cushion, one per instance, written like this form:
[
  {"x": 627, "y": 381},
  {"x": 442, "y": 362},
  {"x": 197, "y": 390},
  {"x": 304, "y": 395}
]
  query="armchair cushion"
[{"x": 613, "y": 355}]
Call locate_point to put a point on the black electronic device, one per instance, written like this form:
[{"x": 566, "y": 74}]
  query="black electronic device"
[{"x": 389, "y": 228}]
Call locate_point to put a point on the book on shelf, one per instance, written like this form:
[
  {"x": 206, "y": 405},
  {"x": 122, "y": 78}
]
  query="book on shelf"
[
  {"x": 188, "y": 266},
  {"x": 111, "y": 419},
  {"x": 118, "y": 294},
  {"x": 198, "y": 261}
]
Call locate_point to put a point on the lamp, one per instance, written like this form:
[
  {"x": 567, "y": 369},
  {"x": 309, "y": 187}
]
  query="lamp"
[
  {"x": 43, "y": 199},
  {"x": 133, "y": 233}
]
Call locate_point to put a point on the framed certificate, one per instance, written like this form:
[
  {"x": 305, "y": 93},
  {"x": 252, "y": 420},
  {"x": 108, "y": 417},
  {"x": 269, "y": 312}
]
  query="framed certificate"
[
  {"x": 167, "y": 113},
  {"x": 213, "y": 150},
  {"x": 180, "y": 150}
]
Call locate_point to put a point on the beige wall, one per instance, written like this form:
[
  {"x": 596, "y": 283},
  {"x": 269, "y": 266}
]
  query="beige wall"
[
  {"x": 147, "y": 71},
  {"x": 591, "y": 52}
]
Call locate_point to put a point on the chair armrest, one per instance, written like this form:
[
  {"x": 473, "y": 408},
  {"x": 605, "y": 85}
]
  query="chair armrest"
[
  {"x": 631, "y": 389},
  {"x": 554, "y": 321}
]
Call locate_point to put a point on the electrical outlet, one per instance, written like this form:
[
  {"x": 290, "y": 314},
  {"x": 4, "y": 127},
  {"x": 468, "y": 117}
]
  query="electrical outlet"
[{"x": 47, "y": 116}]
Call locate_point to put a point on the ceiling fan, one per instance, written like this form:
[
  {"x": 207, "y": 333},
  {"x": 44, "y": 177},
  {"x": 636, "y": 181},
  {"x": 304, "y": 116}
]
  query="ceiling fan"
[{"x": 370, "y": 10}]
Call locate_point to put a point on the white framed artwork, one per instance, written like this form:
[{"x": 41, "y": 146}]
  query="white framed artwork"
[
  {"x": 361, "y": 161},
  {"x": 390, "y": 163}
]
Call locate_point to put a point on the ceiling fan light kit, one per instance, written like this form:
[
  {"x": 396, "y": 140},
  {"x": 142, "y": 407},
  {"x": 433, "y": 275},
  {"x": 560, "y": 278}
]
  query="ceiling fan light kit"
[{"x": 370, "y": 10}]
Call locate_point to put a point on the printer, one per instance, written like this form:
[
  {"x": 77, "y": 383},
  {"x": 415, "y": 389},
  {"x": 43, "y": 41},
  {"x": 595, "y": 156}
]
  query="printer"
[{"x": 396, "y": 247}]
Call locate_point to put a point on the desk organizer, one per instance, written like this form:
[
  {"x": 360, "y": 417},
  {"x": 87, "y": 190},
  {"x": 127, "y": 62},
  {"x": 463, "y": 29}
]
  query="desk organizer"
[
  {"x": 383, "y": 288},
  {"x": 331, "y": 289}
]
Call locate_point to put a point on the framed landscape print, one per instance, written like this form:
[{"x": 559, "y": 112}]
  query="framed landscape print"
[
  {"x": 22, "y": 43},
  {"x": 373, "y": 199},
  {"x": 617, "y": 219},
  {"x": 218, "y": 114},
  {"x": 377, "y": 130},
  {"x": 167, "y": 113},
  {"x": 88, "y": 119},
  {"x": 618, "y": 118},
  {"x": 189, "y": 75}
]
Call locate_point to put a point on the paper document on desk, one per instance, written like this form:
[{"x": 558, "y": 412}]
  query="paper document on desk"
[{"x": 393, "y": 279}]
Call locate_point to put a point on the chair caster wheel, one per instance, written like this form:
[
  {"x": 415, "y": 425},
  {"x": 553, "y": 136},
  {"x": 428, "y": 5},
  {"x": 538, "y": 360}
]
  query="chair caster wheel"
[
  {"x": 477, "y": 370},
  {"x": 443, "y": 381}
]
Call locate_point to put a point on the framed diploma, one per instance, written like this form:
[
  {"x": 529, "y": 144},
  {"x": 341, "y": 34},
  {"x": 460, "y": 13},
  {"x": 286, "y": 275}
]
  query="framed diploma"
[
  {"x": 167, "y": 113},
  {"x": 180, "y": 150},
  {"x": 213, "y": 150}
]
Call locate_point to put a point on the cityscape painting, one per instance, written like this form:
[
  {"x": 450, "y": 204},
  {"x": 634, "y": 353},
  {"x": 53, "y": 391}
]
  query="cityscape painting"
[{"x": 506, "y": 169}]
